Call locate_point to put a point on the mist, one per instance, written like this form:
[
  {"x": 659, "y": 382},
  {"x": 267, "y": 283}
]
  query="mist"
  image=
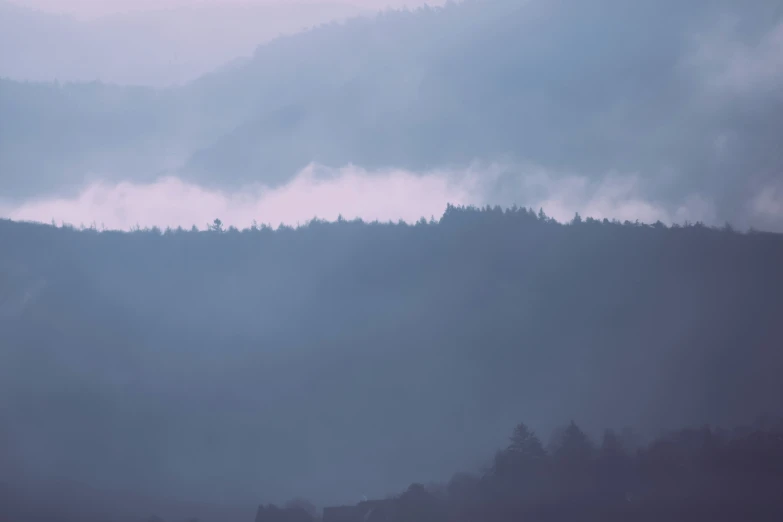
[
  {"x": 255, "y": 250},
  {"x": 692, "y": 116},
  {"x": 232, "y": 366},
  {"x": 149, "y": 43},
  {"x": 315, "y": 192},
  {"x": 320, "y": 192},
  {"x": 88, "y": 9}
]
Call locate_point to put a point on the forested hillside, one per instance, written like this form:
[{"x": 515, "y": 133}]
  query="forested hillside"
[
  {"x": 685, "y": 96},
  {"x": 338, "y": 360},
  {"x": 703, "y": 474}
]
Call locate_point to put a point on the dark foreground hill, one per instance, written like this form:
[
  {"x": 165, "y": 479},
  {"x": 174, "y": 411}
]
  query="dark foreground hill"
[
  {"x": 690, "y": 475},
  {"x": 342, "y": 360},
  {"x": 34, "y": 500}
]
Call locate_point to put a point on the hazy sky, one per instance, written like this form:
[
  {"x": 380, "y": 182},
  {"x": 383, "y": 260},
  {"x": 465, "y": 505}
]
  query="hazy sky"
[
  {"x": 616, "y": 120},
  {"x": 152, "y": 42},
  {"x": 87, "y": 9}
]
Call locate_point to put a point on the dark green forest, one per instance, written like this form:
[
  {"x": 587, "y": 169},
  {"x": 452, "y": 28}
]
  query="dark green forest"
[{"x": 348, "y": 359}]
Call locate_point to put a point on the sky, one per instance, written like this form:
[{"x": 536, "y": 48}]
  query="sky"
[
  {"x": 148, "y": 43},
  {"x": 154, "y": 42},
  {"x": 614, "y": 124},
  {"x": 91, "y": 9}
]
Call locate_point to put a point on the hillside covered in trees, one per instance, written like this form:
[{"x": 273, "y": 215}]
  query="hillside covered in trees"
[
  {"x": 689, "y": 475},
  {"x": 337, "y": 361},
  {"x": 682, "y": 94}
]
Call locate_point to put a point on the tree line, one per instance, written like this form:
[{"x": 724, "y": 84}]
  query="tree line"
[
  {"x": 690, "y": 475},
  {"x": 697, "y": 474}
]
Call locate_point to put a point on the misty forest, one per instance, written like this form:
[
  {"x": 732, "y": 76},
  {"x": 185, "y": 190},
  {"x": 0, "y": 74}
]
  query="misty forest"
[{"x": 489, "y": 360}]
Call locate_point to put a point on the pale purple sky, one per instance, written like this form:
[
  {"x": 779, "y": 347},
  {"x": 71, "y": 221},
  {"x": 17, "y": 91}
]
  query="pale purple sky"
[
  {"x": 86, "y": 9},
  {"x": 102, "y": 39}
]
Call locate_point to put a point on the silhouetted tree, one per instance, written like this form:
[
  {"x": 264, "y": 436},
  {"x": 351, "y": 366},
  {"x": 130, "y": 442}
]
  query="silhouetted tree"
[
  {"x": 571, "y": 444},
  {"x": 216, "y": 226}
]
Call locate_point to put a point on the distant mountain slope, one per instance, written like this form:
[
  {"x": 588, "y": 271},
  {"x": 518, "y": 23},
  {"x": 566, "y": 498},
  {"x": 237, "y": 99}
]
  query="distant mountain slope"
[
  {"x": 56, "y": 137},
  {"x": 348, "y": 359},
  {"x": 154, "y": 46},
  {"x": 588, "y": 87},
  {"x": 685, "y": 96}
]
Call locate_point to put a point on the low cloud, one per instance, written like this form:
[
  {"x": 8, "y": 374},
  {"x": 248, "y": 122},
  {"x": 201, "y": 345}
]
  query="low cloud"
[
  {"x": 614, "y": 196},
  {"x": 353, "y": 192},
  {"x": 315, "y": 192}
]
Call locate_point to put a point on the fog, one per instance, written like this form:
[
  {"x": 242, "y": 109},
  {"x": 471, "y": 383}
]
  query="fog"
[
  {"x": 155, "y": 45},
  {"x": 330, "y": 248},
  {"x": 691, "y": 115},
  {"x": 336, "y": 361},
  {"x": 732, "y": 64},
  {"x": 150, "y": 43},
  {"x": 87, "y": 9},
  {"x": 352, "y": 192}
]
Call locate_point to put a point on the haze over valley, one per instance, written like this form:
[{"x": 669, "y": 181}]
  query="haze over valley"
[{"x": 255, "y": 251}]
